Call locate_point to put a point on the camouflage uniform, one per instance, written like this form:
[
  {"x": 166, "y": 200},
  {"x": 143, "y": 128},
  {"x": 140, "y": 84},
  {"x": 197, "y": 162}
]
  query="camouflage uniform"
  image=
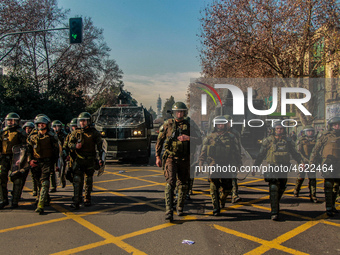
[
  {"x": 9, "y": 137},
  {"x": 85, "y": 162},
  {"x": 328, "y": 147},
  {"x": 61, "y": 137},
  {"x": 44, "y": 149},
  {"x": 176, "y": 159},
  {"x": 276, "y": 150},
  {"x": 220, "y": 148},
  {"x": 234, "y": 196},
  {"x": 304, "y": 146}
]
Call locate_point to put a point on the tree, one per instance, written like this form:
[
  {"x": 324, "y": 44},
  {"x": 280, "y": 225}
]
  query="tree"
[
  {"x": 153, "y": 113},
  {"x": 268, "y": 38},
  {"x": 167, "y": 107}
]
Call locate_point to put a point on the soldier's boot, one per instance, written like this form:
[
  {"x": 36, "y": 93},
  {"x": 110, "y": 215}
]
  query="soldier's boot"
[
  {"x": 312, "y": 190},
  {"x": 43, "y": 197},
  {"x": 298, "y": 185},
  {"x": 16, "y": 193},
  {"x": 274, "y": 201},
  {"x": 328, "y": 197},
  {"x": 182, "y": 191},
  {"x": 77, "y": 191},
  {"x": 235, "y": 197},
  {"x": 53, "y": 182},
  {"x": 215, "y": 199},
  {"x": 334, "y": 210},
  {"x": 169, "y": 198},
  {"x": 88, "y": 190},
  {"x": 38, "y": 195}
]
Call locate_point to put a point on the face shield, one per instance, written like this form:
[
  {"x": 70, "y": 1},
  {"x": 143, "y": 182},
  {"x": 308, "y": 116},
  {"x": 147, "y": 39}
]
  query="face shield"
[{"x": 83, "y": 122}]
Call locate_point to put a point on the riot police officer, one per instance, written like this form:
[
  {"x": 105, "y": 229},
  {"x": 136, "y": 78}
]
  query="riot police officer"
[
  {"x": 43, "y": 154},
  {"x": 276, "y": 150},
  {"x": 68, "y": 153},
  {"x": 57, "y": 127},
  {"x": 304, "y": 146},
  {"x": 220, "y": 148},
  {"x": 328, "y": 147},
  {"x": 84, "y": 141},
  {"x": 10, "y": 136},
  {"x": 176, "y": 135}
]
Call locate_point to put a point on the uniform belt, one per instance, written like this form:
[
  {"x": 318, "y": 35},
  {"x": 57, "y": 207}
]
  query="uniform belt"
[{"x": 85, "y": 157}]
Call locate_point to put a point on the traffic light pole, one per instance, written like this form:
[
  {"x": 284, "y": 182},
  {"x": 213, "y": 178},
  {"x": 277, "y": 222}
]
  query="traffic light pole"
[{"x": 33, "y": 31}]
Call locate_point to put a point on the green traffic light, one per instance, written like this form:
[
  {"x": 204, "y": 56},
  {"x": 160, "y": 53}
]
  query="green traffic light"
[{"x": 76, "y": 30}]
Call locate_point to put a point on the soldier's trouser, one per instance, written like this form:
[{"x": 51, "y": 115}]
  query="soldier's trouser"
[
  {"x": 311, "y": 184},
  {"x": 177, "y": 171},
  {"x": 169, "y": 198},
  {"x": 53, "y": 180},
  {"x": 331, "y": 187},
  {"x": 5, "y": 166},
  {"x": 82, "y": 168},
  {"x": 235, "y": 188},
  {"x": 42, "y": 174},
  {"x": 215, "y": 185},
  {"x": 24, "y": 177},
  {"x": 17, "y": 187},
  {"x": 190, "y": 185},
  {"x": 276, "y": 190}
]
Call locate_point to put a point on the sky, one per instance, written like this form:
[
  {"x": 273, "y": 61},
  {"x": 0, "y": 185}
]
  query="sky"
[{"x": 154, "y": 42}]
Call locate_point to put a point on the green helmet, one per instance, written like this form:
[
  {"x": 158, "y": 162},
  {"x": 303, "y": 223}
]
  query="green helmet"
[
  {"x": 84, "y": 116},
  {"x": 28, "y": 124},
  {"x": 228, "y": 117},
  {"x": 41, "y": 119},
  {"x": 279, "y": 124},
  {"x": 73, "y": 122},
  {"x": 308, "y": 128},
  {"x": 218, "y": 121},
  {"x": 332, "y": 121},
  {"x": 179, "y": 106},
  {"x": 12, "y": 116},
  {"x": 57, "y": 123}
]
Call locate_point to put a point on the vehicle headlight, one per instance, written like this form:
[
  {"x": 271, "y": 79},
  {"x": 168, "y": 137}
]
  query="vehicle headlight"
[
  {"x": 137, "y": 133},
  {"x": 102, "y": 133}
]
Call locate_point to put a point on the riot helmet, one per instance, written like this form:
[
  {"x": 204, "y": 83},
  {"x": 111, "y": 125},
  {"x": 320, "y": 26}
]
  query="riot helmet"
[
  {"x": 28, "y": 125},
  {"x": 12, "y": 119},
  {"x": 179, "y": 107},
  {"x": 43, "y": 115},
  {"x": 308, "y": 131},
  {"x": 42, "y": 120},
  {"x": 331, "y": 123},
  {"x": 57, "y": 125},
  {"x": 276, "y": 129},
  {"x": 84, "y": 120},
  {"x": 220, "y": 123}
]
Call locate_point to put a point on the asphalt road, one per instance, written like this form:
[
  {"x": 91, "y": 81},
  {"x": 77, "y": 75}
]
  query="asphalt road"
[{"x": 127, "y": 217}]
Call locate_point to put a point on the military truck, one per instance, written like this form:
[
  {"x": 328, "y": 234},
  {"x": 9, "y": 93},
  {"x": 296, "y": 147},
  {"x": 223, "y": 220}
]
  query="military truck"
[{"x": 127, "y": 129}]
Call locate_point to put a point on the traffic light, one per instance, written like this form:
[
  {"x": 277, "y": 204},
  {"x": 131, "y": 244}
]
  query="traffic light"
[{"x": 76, "y": 30}]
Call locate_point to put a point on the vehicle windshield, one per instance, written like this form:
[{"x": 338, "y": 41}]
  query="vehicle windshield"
[{"x": 121, "y": 116}]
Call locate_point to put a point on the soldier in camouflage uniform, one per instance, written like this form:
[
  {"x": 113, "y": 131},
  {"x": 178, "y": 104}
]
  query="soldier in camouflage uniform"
[
  {"x": 68, "y": 153},
  {"x": 57, "y": 127},
  {"x": 176, "y": 135},
  {"x": 220, "y": 148},
  {"x": 328, "y": 147},
  {"x": 10, "y": 136},
  {"x": 305, "y": 145},
  {"x": 43, "y": 153},
  {"x": 28, "y": 127},
  {"x": 84, "y": 141},
  {"x": 276, "y": 149}
]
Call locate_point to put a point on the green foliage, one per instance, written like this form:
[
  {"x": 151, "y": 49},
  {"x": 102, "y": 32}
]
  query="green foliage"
[{"x": 167, "y": 107}]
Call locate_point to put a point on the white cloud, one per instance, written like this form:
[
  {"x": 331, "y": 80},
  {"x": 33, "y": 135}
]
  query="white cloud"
[{"x": 145, "y": 89}]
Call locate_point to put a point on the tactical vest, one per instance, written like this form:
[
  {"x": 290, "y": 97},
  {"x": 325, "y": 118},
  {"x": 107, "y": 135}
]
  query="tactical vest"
[
  {"x": 307, "y": 146},
  {"x": 9, "y": 139},
  {"x": 42, "y": 146},
  {"x": 172, "y": 145},
  {"x": 87, "y": 141},
  {"x": 219, "y": 146},
  {"x": 332, "y": 147},
  {"x": 278, "y": 152}
]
